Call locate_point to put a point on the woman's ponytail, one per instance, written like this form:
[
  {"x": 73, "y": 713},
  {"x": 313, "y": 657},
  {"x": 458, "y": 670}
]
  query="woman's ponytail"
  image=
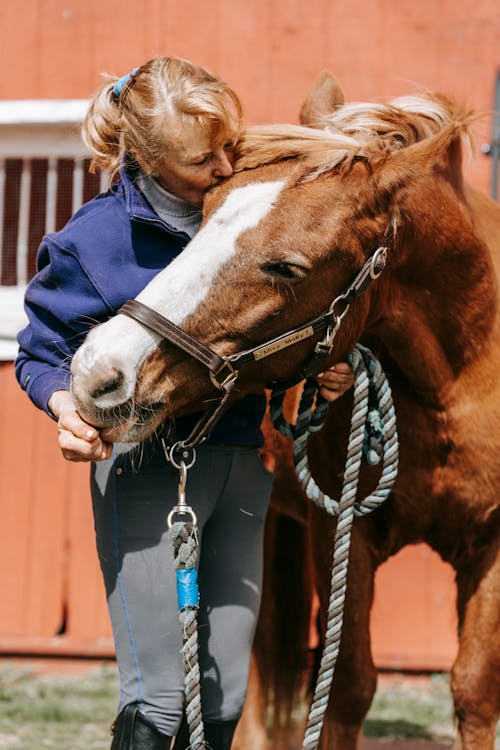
[{"x": 101, "y": 130}]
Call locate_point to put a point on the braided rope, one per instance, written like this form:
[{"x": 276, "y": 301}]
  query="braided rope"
[
  {"x": 371, "y": 385},
  {"x": 184, "y": 540}
]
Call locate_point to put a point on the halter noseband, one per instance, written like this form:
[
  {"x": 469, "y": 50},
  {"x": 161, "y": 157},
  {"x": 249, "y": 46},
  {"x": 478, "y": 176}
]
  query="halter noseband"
[{"x": 224, "y": 371}]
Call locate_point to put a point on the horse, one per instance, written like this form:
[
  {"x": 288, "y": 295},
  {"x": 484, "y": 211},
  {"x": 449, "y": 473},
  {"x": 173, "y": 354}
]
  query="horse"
[{"x": 308, "y": 207}]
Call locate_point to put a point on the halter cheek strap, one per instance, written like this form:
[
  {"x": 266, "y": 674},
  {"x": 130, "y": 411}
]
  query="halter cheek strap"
[{"x": 224, "y": 370}]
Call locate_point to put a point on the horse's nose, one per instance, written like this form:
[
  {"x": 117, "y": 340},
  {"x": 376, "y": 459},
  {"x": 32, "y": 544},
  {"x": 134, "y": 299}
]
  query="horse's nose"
[
  {"x": 102, "y": 383},
  {"x": 104, "y": 386}
]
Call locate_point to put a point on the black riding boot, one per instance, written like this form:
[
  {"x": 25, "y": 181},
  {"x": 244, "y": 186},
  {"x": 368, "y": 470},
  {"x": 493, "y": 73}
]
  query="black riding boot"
[
  {"x": 133, "y": 730},
  {"x": 218, "y": 735}
]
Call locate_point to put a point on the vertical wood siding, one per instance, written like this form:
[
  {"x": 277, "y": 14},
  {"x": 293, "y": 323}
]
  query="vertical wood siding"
[
  {"x": 270, "y": 51},
  {"x": 51, "y": 591}
]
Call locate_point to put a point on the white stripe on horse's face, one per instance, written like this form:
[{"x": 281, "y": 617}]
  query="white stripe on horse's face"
[{"x": 176, "y": 292}]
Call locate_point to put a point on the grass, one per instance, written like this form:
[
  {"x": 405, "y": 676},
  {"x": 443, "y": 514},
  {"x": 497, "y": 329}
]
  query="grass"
[
  {"x": 74, "y": 713},
  {"x": 412, "y": 709},
  {"x": 52, "y": 711}
]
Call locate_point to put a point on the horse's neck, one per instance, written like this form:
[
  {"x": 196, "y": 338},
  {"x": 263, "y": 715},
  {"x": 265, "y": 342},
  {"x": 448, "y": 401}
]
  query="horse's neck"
[
  {"x": 414, "y": 344},
  {"x": 441, "y": 305}
]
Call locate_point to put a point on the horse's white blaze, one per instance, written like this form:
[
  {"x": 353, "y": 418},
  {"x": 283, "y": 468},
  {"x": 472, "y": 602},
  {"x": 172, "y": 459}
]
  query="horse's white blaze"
[{"x": 178, "y": 290}]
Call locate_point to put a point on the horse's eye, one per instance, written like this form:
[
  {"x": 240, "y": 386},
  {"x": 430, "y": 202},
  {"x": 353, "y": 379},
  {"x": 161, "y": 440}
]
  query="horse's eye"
[{"x": 283, "y": 270}]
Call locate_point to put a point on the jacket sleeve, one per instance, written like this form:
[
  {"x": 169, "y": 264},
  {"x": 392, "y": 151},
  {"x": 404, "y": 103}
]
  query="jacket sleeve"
[{"x": 62, "y": 304}]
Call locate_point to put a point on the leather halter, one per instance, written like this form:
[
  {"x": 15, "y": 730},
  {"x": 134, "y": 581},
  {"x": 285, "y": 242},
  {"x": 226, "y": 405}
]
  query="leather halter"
[{"x": 223, "y": 371}]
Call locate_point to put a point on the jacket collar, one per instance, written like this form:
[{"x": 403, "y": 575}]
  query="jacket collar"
[{"x": 136, "y": 204}]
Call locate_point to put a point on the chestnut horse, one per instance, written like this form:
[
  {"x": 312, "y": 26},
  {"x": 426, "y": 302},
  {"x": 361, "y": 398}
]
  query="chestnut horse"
[{"x": 282, "y": 239}]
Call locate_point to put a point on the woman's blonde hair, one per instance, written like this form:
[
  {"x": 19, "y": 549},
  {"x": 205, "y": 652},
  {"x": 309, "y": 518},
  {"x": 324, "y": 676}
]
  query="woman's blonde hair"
[{"x": 130, "y": 118}]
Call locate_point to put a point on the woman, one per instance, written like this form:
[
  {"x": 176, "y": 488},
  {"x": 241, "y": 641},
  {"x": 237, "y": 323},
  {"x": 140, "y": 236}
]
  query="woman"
[{"x": 166, "y": 132}]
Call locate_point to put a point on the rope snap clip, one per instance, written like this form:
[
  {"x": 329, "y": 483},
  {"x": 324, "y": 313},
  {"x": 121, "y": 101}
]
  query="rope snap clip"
[{"x": 182, "y": 508}]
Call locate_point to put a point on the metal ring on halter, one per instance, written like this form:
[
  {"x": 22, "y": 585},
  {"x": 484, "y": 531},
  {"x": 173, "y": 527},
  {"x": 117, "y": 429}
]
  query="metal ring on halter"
[
  {"x": 379, "y": 260},
  {"x": 181, "y": 510},
  {"x": 181, "y": 449}
]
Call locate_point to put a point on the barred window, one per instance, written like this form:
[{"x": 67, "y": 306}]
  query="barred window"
[
  {"x": 39, "y": 196},
  {"x": 44, "y": 179}
]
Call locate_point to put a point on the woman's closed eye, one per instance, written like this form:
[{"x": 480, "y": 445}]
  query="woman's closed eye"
[
  {"x": 227, "y": 147},
  {"x": 202, "y": 160}
]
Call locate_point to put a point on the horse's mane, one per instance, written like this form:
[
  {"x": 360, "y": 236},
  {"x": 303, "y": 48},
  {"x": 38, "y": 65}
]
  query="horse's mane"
[{"x": 357, "y": 130}]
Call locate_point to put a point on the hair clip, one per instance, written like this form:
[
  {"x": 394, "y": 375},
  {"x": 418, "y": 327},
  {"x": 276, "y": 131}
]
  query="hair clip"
[{"x": 125, "y": 81}]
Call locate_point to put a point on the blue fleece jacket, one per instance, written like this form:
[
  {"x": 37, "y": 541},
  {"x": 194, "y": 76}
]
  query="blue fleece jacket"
[{"x": 106, "y": 254}]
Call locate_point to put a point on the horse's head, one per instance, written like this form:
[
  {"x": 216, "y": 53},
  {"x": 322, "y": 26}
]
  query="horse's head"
[{"x": 279, "y": 242}]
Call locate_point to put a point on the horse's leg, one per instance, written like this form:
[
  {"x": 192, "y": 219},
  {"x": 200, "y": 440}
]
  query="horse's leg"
[
  {"x": 251, "y": 732},
  {"x": 475, "y": 677},
  {"x": 355, "y": 677}
]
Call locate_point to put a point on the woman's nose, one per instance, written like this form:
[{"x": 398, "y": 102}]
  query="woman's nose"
[{"x": 224, "y": 166}]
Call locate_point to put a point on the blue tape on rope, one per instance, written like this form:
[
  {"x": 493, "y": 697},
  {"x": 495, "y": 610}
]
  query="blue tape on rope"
[{"x": 188, "y": 594}]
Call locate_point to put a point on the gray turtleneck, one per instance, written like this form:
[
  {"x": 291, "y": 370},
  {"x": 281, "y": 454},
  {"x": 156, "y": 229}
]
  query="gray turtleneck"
[{"x": 176, "y": 212}]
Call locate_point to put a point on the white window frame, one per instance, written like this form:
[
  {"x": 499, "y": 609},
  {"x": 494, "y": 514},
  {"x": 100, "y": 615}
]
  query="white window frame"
[{"x": 31, "y": 129}]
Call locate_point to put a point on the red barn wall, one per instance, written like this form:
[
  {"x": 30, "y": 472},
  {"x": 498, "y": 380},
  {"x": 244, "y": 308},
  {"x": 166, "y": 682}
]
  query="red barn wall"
[{"x": 270, "y": 51}]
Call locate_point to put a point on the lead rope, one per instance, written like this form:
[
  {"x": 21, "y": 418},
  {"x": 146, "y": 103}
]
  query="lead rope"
[
  {"x": 373, "y": 433},
  {"x": 184, "y": 538}
]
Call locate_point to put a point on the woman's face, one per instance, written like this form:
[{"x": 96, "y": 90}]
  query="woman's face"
[{"x": 194, "y": 163}]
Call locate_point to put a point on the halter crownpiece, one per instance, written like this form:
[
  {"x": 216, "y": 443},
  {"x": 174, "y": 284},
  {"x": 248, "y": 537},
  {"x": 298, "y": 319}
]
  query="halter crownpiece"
[{"x": 370, "y": 271}]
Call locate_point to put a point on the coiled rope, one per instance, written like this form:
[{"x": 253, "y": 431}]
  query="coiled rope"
[{"x": 373, "y": 434}]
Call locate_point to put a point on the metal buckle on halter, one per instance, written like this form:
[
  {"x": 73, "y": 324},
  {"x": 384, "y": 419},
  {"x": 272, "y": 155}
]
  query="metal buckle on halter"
[
  {"x": 228, "y": 373},
  {"x": 325, "y": 346}
]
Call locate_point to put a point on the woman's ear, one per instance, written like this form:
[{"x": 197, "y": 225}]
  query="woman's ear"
[{"x": 146, "y": 166}]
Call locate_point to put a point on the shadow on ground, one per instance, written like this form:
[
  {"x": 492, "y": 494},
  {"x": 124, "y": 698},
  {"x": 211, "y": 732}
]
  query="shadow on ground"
[
  {"x": 391, "y": 743},
  {"x": 396, "y": 728}
]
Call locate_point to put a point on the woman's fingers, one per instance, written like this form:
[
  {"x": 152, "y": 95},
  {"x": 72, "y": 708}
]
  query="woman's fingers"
[
  {"x": 335, "y": 381},
  {"x": 71, "y": 421},
  {"x": 78, "y": 440},
  {"x": 76, "y": 448}
]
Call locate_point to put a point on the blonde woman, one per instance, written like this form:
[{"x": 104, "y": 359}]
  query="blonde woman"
[{"x": 166, "y": 131}]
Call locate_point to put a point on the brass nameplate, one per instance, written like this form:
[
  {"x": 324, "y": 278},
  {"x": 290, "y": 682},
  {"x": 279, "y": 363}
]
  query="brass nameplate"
[{"x": 293, "y": 338}]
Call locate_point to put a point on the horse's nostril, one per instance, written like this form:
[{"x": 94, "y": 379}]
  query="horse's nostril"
[
  {"x": 111, "y": 384},
  {"x": 157, "y": 406}
]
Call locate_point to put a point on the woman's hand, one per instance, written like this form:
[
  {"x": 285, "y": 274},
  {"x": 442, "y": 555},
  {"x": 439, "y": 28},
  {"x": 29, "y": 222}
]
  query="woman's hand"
[
  {"x": 335, "y": 381},
  {"x": 78, "y": 440}
]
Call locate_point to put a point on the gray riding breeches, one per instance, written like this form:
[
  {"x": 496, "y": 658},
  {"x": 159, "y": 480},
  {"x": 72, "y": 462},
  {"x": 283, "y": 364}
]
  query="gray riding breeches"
[{"x": 229, "y": 489}]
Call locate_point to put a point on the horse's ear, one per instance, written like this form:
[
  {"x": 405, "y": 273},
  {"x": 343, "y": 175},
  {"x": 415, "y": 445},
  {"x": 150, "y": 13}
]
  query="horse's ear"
[
  {"x": 439, "y": 154},
  {"x": 321, "y": 100}
]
